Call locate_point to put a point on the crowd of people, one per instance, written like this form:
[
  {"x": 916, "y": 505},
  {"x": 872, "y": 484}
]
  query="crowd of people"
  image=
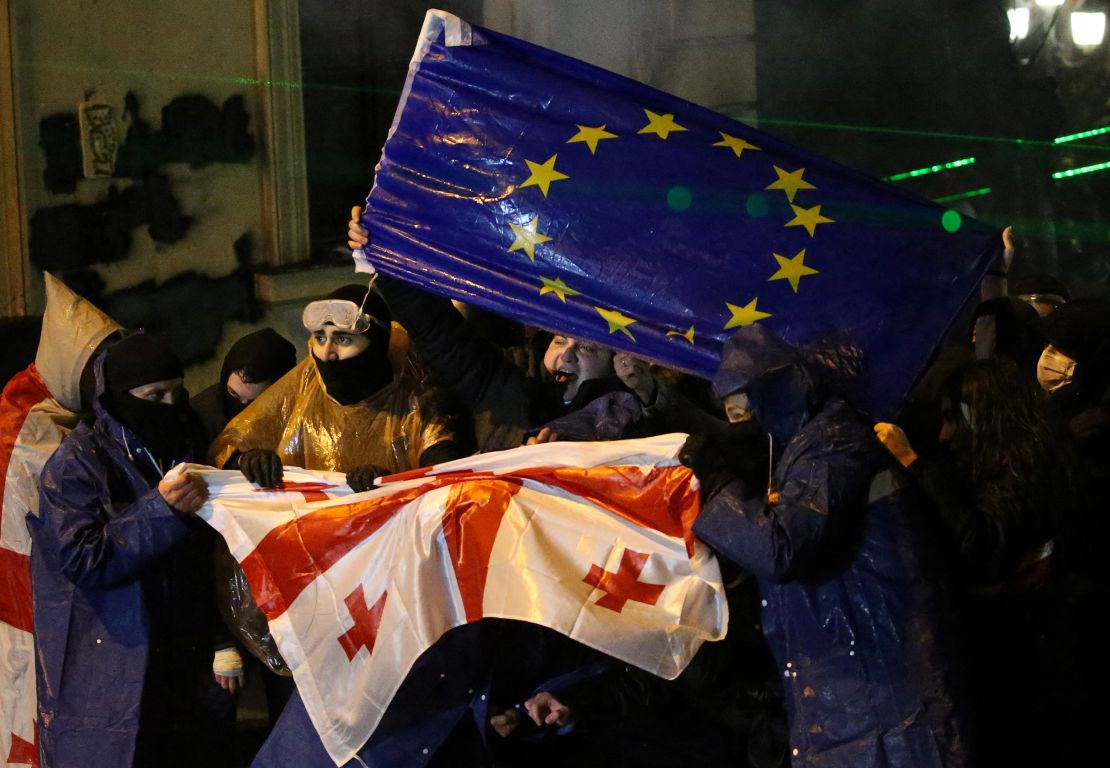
[{"x": 913, "y": 594}]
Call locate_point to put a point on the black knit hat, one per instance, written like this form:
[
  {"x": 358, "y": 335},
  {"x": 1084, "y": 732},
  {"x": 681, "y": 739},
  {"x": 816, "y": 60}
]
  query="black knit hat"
[
  {"x": 137, "y": 360},
  {"x": 261, "y": 356},
  {"x": 1081, "y": 330}
]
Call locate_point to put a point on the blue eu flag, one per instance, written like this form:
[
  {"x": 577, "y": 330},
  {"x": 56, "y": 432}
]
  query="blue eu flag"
[{"x": 558, "y": 194}]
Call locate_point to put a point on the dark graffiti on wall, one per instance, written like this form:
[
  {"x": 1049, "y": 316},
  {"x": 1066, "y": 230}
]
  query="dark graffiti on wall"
[
  {"x": 188, "y": 310},
  {"x": 194, "y": 131}
]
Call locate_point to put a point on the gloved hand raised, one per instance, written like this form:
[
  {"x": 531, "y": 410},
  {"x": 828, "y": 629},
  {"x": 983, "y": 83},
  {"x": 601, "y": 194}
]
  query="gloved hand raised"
[
  {"x": 261, "y": 467},
  {"x": 362, "y": 478}
]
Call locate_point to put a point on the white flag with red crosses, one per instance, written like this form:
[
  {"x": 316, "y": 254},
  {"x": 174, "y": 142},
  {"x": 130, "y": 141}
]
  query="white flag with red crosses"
[{"x": 590, "y": 539}]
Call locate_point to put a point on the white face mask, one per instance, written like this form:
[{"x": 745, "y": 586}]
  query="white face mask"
[{"x": 1055, "y": 370}]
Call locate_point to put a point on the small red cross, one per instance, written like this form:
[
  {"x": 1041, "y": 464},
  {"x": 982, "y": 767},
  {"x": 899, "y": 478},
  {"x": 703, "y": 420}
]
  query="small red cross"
[
  {"x": 310, "y": 491},
  {"x": 624, "y": 585},
  {"x": 364, "y": 633}
]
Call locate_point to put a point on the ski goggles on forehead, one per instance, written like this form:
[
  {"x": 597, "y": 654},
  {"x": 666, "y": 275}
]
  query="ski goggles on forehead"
[{"x": 344, "y": 315}]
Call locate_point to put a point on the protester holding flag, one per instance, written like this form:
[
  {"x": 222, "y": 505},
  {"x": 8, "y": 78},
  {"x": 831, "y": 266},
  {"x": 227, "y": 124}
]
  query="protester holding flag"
[
  {"x": 124, "y": 620},
  {"x": 39, "y": 406},
  {"x": 849, "y": 606},
  {"x": 342, "y": 408},
  {"x": 507, "y": 399}
]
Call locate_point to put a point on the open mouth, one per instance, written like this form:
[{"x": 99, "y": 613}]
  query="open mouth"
[{"x": 564, "y": 377}]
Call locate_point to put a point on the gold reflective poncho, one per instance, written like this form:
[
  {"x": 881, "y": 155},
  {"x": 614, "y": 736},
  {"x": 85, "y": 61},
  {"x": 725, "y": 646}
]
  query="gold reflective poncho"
[{"x": 299, "y": 421}]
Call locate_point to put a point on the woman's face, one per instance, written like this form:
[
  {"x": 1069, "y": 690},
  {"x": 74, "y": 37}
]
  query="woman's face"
[{"x": 330, "y": 343}]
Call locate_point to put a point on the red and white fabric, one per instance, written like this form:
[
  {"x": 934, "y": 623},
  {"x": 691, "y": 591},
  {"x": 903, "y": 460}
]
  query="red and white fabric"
[
  {"x": 590, "y": 539},
  {"x": 37, "y": 409}
]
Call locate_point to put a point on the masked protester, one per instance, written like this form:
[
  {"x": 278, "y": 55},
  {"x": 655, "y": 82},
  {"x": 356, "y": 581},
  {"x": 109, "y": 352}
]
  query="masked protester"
[
  {"x": 557, "y": 375},
  {"x": 1075, "y": 372},
  {"x": 1002, "y": 484},
  {"x": 341, "y": 409},
  {"x": 849, "y": 609},
  {"x": 124, "y": 621},
  {"x": 253, "y": 363},
  {"x": 38, "y": 407}
]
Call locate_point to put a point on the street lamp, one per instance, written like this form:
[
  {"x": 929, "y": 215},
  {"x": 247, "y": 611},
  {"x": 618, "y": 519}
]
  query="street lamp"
[
  {"x": 1019, "y": 23},
  {"x": 1088, "y": 29}
]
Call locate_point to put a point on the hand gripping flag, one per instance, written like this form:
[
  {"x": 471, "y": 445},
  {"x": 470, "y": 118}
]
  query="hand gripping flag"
[
  {"x": 561, "y": 195},
  {"x": 590, "y": 539}
]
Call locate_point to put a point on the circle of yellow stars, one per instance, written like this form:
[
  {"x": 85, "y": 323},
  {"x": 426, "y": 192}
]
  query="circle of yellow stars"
[{"x": 527, "y": 236}]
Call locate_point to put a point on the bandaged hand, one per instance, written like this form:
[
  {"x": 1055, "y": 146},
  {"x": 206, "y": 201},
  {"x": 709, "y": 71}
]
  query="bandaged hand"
[
  {"x": 894, "y": 440},
  {"x": 227, "y": 666}
]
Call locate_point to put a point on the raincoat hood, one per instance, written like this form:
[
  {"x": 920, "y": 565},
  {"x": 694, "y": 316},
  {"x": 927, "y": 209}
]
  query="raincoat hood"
[
  {"x": 72, "y": 329},
  {"x": 782, "y": 390}
]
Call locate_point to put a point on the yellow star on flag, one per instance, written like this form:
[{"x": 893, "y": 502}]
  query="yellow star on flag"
[
  {"x": 735, "y": 143},
  {"x": 617, "y": 321},
  {"x": 792, "y": 269},
  {"x": 557, "y": 287},
  {"x": 661, "y": 125},
  {"x": 688, "y": 335},
  {"x": 790, "y": 182},
  {"x": 543, "y": 174},
  {"x": 591, "y": 136},
  {"x": 527, "y": 238},
  {"x": 808, "y": 218},
  {"x": 745, "y": 315}
]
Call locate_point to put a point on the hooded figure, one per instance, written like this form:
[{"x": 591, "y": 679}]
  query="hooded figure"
[
  {"x": 38, "y": 408},
  {"x": 342, "y": 407},
  {"x": 123, "y": 617},
  {"x": 847, "y": 605},
  {"x": 253, "y": 363}
]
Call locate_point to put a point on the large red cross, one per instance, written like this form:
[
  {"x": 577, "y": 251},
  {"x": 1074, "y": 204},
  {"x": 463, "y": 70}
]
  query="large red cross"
[
  {"x": 310, "y": 491},
  {"x": 364, "y": 632},
  {"x": 625, "y": 584}
]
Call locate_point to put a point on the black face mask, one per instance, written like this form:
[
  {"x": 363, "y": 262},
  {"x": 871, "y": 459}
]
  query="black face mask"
[
  {"x": 168, "y": 431},
  {"x": 233, "y": 406},
  {"x": 356, "y": 378}
]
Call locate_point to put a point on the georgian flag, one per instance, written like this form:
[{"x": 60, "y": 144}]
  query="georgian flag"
[
  {"x": 590, "y": 539},
  {"x": 30, "y": 431}
]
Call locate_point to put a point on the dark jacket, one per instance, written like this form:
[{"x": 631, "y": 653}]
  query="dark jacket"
[
  {"x": 848, "y": 606},
  {"x": 122, "y": 616},
  {"x": 508, "y": 397}
]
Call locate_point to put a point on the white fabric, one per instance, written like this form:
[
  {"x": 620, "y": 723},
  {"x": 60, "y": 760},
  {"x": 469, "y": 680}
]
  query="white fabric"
[
  {"x": 547, "y": 541},
  {"x": 72, "y": 328}
]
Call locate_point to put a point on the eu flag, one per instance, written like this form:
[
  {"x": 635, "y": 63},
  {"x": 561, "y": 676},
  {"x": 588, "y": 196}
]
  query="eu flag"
[{"x": 565, "y": 196}]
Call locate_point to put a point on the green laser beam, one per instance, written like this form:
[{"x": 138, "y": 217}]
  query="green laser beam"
[
  {"x": 1080, "y": 171},
  {"x": 931, "y": 169},
  {"x": 761, "y": 121},
  {"x": 963, "y": 195},
  {"x": 1081, "y": 135}
]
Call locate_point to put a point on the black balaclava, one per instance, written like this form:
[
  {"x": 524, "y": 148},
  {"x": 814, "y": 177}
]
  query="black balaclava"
[
  {"x": 356, "y": 378},
  {"x": 264, "y": 355},
  {"x": 168, "y": 431}
]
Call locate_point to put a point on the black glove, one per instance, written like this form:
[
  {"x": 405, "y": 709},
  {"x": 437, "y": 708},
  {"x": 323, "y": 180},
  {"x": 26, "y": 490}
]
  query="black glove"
[
  {"x": 261, "y": 467},
  {"x": 362, "y": 478},
  {"x": 733, "y": 452}
]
